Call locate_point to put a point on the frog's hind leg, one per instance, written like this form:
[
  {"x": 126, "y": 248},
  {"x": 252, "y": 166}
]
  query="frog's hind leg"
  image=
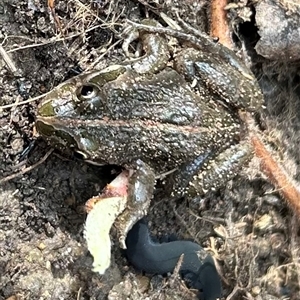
[
  {"x": 235, "y": 87},
  {"x": 213, "y": 172}
]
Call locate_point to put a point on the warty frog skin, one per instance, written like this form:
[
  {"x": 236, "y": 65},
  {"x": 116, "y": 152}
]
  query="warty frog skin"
[{"x": 179, "y": 115}]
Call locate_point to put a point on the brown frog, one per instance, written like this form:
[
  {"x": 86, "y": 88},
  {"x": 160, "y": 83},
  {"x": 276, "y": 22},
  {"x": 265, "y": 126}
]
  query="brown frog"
[{"x": 176, "y": 114}]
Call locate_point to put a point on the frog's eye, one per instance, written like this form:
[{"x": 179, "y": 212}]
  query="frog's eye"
[
  {"x": 87, "y": 92},
  {"x": 88, "y": 100}
]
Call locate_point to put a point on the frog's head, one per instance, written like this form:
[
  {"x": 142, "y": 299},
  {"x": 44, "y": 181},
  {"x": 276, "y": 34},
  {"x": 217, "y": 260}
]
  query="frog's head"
[
  {"x": 79, "y": 96},
  {"x": 64, "y": 113}
]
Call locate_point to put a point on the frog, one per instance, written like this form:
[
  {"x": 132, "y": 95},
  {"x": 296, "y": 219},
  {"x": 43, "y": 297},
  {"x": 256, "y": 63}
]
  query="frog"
[{"x": 176, "y": 112}]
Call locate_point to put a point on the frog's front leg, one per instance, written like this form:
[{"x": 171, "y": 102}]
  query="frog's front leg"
[
  {"x": 155, "y": 46},
  {"x": 140, "y": 191},
  {"x": 209, "y": 171},
  {"x": 235, "y": 87}
]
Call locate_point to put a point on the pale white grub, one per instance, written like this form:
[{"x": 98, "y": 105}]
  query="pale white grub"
[{"x": 97, "y": 227}]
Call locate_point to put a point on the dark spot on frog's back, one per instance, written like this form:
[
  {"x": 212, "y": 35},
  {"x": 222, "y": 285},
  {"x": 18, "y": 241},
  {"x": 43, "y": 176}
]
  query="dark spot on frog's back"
[{"x": 156, "y": 97}]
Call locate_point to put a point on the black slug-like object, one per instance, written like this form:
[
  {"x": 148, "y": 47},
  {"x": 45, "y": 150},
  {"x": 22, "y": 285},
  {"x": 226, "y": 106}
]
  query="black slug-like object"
[{"x": 161, "y": 258}]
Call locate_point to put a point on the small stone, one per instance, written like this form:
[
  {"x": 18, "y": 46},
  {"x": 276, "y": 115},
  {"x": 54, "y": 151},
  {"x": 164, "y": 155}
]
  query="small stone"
[
  {"x": 41, "y": 246},
  {"x": 17, "y": 145},
  {"x": 256, "y": 290},
  {"x": 263, "y": 222},
  {"x": 48, "y": 265}
]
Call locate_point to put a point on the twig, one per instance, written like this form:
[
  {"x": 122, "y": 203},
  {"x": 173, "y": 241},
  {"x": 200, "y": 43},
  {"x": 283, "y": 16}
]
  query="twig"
[
  {"x": 177, "y": 267},
  {"x": 187, "y": 228},
  {"x": 26, "y": 170},
  {"x": 92, "y": 65},
  {"x": 51, "y": 6},
  {"x": 79, "y": 293},
  {"x": 149, "y": 6},
  {"x": 55, "y": 40},
  {"x": 286, "y": 186},
  {"x": 234, "y": 291},
  {"x": 219, "y": 26}
]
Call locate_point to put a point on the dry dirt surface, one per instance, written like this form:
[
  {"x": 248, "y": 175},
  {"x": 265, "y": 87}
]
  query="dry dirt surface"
[{"x": 248, "y": 227}]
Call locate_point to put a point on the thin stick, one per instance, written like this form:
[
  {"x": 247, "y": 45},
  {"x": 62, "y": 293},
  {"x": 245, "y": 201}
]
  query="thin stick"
[
  {"x": 286, "y": 186},
  {"x": 24, "y": 102},
  {"x": 219, "y": 24},
  {"x": 55, "y": 40},
  {"x": 277, "y": 175},
  {"x": 26, "y": 170}
]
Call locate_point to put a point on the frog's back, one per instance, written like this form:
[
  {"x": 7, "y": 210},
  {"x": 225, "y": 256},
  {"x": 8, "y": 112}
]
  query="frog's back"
[{"x": 156, "y": 118}]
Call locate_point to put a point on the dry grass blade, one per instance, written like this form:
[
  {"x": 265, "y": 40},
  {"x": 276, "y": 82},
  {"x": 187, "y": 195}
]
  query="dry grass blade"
[
  {"x": 10, "y": 64},
  {"x": 23, "y": 102}
]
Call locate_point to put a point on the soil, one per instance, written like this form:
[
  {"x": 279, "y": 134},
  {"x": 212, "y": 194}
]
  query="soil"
[{"x": 247, "y": 226}]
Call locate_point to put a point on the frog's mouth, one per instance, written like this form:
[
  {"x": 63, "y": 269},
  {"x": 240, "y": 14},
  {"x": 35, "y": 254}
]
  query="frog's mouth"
[
  {"x": 57, "y": 137},
  {"x": 58, "y": 134}
]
